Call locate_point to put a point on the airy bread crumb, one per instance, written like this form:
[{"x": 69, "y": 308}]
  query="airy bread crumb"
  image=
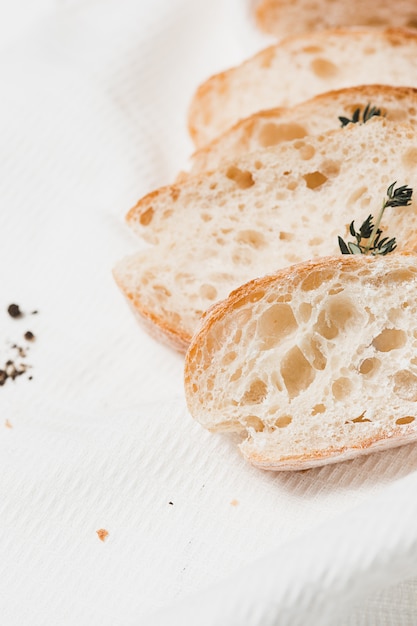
[
  {"x": 299, "y": 68},
  {"x": 313, "y": 117},
  {"x": 261, "y": 212},
  {"x": 316, "y": 363}
]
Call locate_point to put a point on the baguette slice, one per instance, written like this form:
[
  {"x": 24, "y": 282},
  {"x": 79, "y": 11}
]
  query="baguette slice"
[
  {"x": 320, "y": 114},
  {"x": 317, "y": 362},
  {"x": 299, "y": 68},
  {"x": 264, "y": 211},
  {"x": 283, "y": 17}
]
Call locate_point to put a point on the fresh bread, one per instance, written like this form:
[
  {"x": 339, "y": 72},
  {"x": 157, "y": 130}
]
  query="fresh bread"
[
  {"x": 283, "y": 17},
  {"x": 299, "y": 68},
  {"x": 320, "y": 114},
  {"x": 259, "y": 213},
  {"x": 318, "y": 362}
]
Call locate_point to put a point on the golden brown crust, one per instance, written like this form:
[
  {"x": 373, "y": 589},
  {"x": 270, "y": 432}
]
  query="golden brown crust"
[
  {"x": 133, "y": 215},
  {"x": 159, "y": 328},
  {"x": 383, "y": 441}
]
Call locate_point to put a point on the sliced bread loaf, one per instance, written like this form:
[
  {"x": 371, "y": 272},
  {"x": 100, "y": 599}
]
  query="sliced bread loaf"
[
  {"x": 264, "y": 211},
  {"x": 284, "y": 17},
  {"x": 299, "y": 68},
  {"x": 315, "y": 116},
  {"x": 318, "y": 363}
]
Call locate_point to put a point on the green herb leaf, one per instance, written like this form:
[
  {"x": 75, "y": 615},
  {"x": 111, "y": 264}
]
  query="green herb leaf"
[
  {"x": 343, "y": 247},
  {"x": 371, "y": 232},
  {"x": 399, "y": 197},
  {"x": 366, "y": 228},
  {"x": 354, "y": 248},
  {"x": 368, "y": 112}
]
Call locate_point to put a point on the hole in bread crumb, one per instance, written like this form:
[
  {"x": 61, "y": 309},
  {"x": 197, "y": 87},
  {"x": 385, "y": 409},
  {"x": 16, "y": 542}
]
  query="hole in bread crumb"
[
  {"x": 315, "y": 241},
  {"x": 314, "y": 180},
  {"x": 389, "y": 339},
  {"x": 252, "y": 297},
  {"x": 405, "y": 420},
  {"x": 405, "y": 385},
  {"x": 318, "y": 408},
  {"x": 276, "y": 381},
  {"x": 331, "y": 168},
  {"x": 271, "y": 134},
  {"x": 368, "y": 367},
  {"x": 256, "y": 393},
  {"x": 305, "y": 150},
  {"x": 146, "y": 217},
  {"x": 358, "y": 193},
  {"x": 409, "y": 158},
  {"x": 312, "y": 49},
  {"x": 243, "y": 179},
  {"x": 325, "y": 326},
  {"x": 237, "y": 336},
  {"x": 339, "y": 314},
  {"x": 296, "y": 372},
  {"x": 283, "y": 422},
  {"x": 253, "y": 238},
  {"x": 208, "y": 291},
  {"x": 400, "y": 275},
  {"x": 161, "y": 290},
  {"x": 228, "y": 358},
  {"x": 286, "y": 236},
  {"x": 253, "y": 421},
  {"x": 292, "y": 185},
  {"x": 206, "y": 217},
  {"x": 323, "y": 68},
  {"x": 275, "y": 323},
  {"x": 341, "y": 388},
  {"x": 360, "y": 419},
  {"x": 315, "y": 279},
  {"x": 236, "y": 375}
]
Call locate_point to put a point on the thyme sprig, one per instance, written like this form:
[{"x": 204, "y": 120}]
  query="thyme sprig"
[
  {"x": 370, "y": 232},
  {"x": 368, "y": 112}
]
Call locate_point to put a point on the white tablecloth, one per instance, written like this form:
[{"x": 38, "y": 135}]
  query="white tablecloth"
[{"x": 93, "y": 115}]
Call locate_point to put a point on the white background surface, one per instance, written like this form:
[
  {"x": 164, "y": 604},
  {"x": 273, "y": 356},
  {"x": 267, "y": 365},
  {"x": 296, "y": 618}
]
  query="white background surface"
[{"x": 93, "y": 107}]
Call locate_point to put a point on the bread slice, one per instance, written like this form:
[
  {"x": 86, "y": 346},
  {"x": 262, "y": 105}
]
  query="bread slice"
[
  {"x": 318, "y": 362},
  {"x": 299, "y": 68},
  {"x": 320, "y": 114},
  {"x": 283, "y": 17},
  {"x": 264, "y": 211}
]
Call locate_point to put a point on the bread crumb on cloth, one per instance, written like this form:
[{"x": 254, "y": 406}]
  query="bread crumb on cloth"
[{"x": 102, "y": 534}]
